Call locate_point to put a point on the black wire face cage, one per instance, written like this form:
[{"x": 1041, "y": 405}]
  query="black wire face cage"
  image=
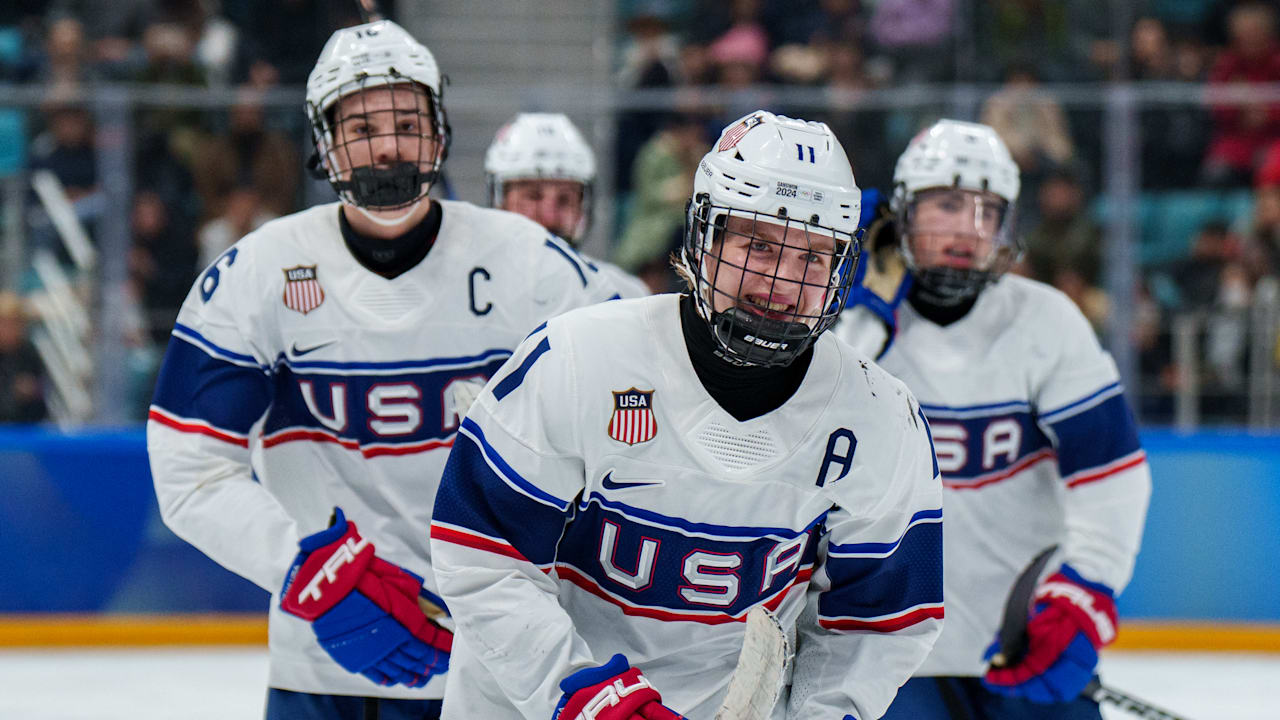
[
  {"x": 381, "y": 144},
  {"x": 767, "y": 285},
  {"x": 948, "y": 286}
]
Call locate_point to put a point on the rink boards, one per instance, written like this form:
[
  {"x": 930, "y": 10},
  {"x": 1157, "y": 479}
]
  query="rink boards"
[{"x": 86, "y": 560}]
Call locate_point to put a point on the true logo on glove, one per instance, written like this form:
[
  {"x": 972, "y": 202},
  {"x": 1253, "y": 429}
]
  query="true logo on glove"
[
  {"x": 611, "y": 695},
  {"x": 1081, "y": 598},
  {"x": 342, "y": 555}
]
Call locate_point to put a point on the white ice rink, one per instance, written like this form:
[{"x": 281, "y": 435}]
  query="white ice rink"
[{"x": 228, "y": 684}]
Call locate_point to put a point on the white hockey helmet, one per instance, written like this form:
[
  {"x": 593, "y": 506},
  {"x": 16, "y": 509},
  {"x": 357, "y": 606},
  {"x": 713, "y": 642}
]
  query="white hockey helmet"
[
  {"x": 363, "y": 57},
  {"x": 957, "y": 155},
  {"x": 541, "y": 146},
  {"x": 782, "y": 171}
]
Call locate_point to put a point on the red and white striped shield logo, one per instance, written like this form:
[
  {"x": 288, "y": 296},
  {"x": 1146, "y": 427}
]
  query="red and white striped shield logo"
[
  {"x": 302, "y": 291},
  {"x": 632, "y": 420}
]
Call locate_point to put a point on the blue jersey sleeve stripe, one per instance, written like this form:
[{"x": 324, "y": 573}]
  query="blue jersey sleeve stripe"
[
  {"x": 569, "y": 258},
  {"x": 883, "y": 549},
  {"x": 440, "y": 363},
  {"x": 195, "y": 338},
  {"x": 1095, "y": 437},
  {"x": 195, "y": 385},
  {"x": 872, "y": 587},
  {"x": 512, "y": 381},
  {"x": 1084, "y": 403},
  {"x": 472, "y": 430},
  {"x": 475, "y": 497}
]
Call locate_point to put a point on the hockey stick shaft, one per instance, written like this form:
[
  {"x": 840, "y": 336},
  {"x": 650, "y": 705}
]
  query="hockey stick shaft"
[
  {"x": 1100, "y": 693},
  {"x": 1013, "y": 643}
]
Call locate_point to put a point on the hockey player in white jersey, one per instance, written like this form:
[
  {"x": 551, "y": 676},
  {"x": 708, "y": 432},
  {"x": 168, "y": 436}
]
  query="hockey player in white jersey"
[
  {"x": 325, "y": 361},
  {"x": 540, "y": 166},
  {"x": 1036, "y": 444},
  {"x": 641, "y": 474}
]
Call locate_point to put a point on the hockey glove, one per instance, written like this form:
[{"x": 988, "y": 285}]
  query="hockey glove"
[
  {"x": 882, "y": 280},
  {"x": 365, "y": 612},
  {"x": 613, "y": 691},
  {"x": 1072, "y": 619}
]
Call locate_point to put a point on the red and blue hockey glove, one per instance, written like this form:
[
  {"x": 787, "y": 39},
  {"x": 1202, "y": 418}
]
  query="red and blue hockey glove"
[
  {"x": 365, "y": 611},
  {"x": 613, "y": 691},
  {"x": 1072, "y": 619}
]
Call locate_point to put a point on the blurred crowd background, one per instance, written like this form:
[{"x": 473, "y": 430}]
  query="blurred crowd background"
[{"x": 141, "y": 138}]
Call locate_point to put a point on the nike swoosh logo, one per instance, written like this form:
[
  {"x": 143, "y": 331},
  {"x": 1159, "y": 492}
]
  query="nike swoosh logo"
[
  {"x": 608, "y": 483},
  {"x": 299, "y": 352}
]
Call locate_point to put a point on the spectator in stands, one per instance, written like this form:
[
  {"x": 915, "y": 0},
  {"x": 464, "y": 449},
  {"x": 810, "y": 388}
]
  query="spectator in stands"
[
  {"x": 1032, "y": 123},
  {"x": 1065, "y": 236},
  {"x": 66, "y": 148},
  {"x": 1214, "y": 280},
  {"x": 21, "y": 372},
  {"x": 1241, "y": 133},
  {"x": 247, "y": 154},
  {"x": 1174, "y": 137},
  {"x": 650, "y": 59},
  {"x": 283, "y": 37},
  {"x": 1264, "y": 234},
  {"x": 740, "y": 54},
  {"x": 663, "y": 181},
  {"x": 1064, "y": 248},
  {"x": 242, "y": 212},
  {"x": 915, "y": 35},
  {"x": 162, "y": 262},
  {"x": 1069, "y": 39},
  {"x": 65, "y": 64}
]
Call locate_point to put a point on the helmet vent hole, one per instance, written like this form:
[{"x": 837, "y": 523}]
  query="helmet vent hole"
[{"x": 738, "y": 156}]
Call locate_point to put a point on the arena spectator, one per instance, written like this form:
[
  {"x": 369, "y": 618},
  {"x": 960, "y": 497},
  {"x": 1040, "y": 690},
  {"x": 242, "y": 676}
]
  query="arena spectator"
[
  {"x": 247, "y": 153},
  {"x": 1174, "y": 137},
  {"x": 1242, "y": 132},
  {"x": 21, "y": 372},
  {"x": 663, "y": 181},
  {"x": 1264, "y": 233},
  {"x": 242, "y": 212},
  {"x": 915, "y": 35},
  {"x": 1065, "y": 240},
  {"x": 162, "y": 262}
]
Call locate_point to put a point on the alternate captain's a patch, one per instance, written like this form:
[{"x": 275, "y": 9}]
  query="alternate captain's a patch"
[
  {"x": 302, "y": 291},
  {"x": 632, "y": 421}
]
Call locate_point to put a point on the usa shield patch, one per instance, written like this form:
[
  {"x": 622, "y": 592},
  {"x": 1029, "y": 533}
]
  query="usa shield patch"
[
  {"x": 632, "y": 421},
  {"x": 302, "y": 291}
]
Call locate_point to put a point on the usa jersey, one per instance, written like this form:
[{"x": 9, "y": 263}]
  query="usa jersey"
[
  {"x": 599, "y": 501},
  {"x": 346, "y": 388},
  {"x": 627, "y": 285},
  {"x": 1036, "y": 446}
]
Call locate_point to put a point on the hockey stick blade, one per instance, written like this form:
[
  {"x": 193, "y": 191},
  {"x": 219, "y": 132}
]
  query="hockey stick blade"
[
  {"x": 1017, "y": 610},
  {"x": 761, "y": 670},
  {"x": 1013, "y": 643}
]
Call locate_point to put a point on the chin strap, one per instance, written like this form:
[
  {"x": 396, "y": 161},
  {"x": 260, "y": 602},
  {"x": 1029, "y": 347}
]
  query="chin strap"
[{"x": 387, "y": 222}]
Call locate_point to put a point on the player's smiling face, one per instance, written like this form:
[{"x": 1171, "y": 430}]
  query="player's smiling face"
[
  {"x": 554, "y": 204},
  {"x": 777, "y": 271},
  {"x": 954, "y": 228},
  {"x": 382, "y": 127}
]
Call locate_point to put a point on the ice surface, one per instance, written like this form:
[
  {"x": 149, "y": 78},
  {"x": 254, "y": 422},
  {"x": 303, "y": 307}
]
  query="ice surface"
[{"x": 229, "y": 683}]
